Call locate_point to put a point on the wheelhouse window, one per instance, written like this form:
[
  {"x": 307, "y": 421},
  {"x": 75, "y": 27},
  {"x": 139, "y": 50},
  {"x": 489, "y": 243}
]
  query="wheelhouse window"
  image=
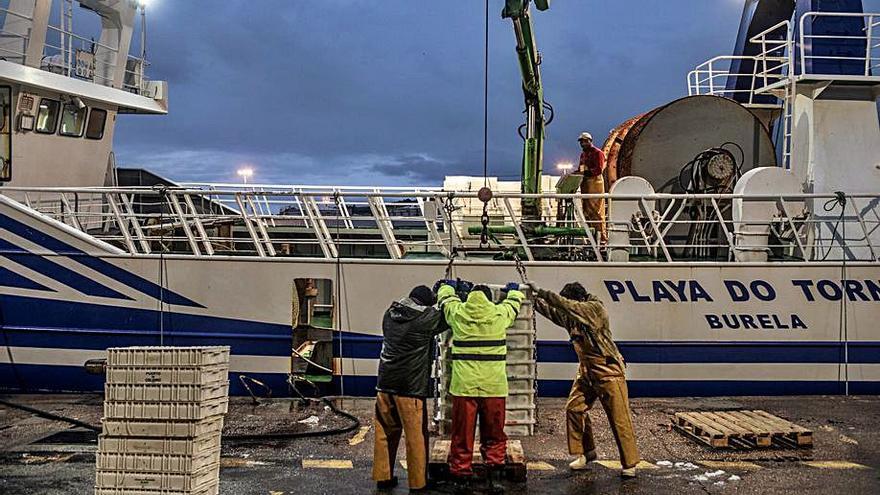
[
  {"x": 73, "y": 120},
  {"x": 6, "y": 134},
  {"x": 96, "y": 123},
  {"x": 47, "y": 116}
]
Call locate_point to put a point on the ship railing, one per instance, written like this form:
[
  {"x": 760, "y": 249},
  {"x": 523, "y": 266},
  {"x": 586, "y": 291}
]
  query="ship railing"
[
  {"x": 721, "y": 76},
  {"x": 13, "y": 44},
  {"x": 818, "y": 57},
  {"x": 399, "y": 223},
  {"x": 63, "y": 57}
]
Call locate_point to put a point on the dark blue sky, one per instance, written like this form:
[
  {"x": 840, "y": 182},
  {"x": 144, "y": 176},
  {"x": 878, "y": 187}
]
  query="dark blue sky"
[{"x": 390, "y": 92}]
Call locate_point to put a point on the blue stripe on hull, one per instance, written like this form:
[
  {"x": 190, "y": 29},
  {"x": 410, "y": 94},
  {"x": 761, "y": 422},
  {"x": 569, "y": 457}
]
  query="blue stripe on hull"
[{"x": 39, "y": 378}]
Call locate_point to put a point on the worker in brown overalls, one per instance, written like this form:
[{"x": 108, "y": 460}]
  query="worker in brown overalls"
[
  {"x": 600, "y": 374},
  {"x": 592, "y": 166}
]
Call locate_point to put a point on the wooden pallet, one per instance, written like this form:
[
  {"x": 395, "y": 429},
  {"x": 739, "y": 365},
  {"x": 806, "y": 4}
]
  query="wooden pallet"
[
  {"x": 514, "y": 471},
  {"x": 742, "y": 429}
]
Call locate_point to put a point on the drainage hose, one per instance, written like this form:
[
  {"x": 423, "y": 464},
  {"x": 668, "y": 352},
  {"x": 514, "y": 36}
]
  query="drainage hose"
[{"x": 354, "y": 423}]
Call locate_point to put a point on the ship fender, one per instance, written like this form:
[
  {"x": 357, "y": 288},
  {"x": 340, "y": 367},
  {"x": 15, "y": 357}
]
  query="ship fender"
[
  {"x": 624, "y": 213},
  {"x": 752, "y": 218}
]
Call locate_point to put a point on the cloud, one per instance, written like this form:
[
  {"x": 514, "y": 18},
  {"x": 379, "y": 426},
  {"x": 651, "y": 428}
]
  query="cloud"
[{"x": 361, "y": 92}]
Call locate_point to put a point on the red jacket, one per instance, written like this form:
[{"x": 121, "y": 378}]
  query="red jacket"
[{"x": 592, "y": 162}]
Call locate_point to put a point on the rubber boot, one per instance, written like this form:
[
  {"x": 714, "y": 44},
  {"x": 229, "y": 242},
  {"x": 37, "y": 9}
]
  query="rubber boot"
[
  {"x": 494, "y": 476},
  {"x": 461, "y": 485}
]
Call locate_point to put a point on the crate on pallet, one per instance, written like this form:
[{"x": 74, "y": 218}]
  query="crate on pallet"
[
  {"x": 163, "y": 418},
  {"x": 178, "y": 375},
  {"x": 150, "y": 356}
]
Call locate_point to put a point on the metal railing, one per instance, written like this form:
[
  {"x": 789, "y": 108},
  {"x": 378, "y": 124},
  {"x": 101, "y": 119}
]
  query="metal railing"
[
  {"x": 398, "y": 223},
  {"x": 784, "y": 56},
  {"x": 59, "y": 56},
  {"x": 870, "y": 61}
]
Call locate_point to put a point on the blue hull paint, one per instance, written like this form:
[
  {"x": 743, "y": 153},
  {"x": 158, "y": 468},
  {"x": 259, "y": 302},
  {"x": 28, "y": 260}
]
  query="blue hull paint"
[{"x": 38, "y": 378}]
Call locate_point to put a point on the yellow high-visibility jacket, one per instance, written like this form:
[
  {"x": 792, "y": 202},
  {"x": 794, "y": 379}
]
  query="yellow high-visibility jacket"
[{"x": 479, "y": 341}]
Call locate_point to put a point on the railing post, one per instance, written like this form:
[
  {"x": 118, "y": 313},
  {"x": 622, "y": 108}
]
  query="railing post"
[
  {"x": 870, "y": 35},
  {"x": 135, "y": 224},
  {"x": 122, "y": 223},
  {"x": 175, "y": 204},
  {"x": 209, "y": 249},
  {"x": 250, "y": 228},
  {"x": 519, "y": 230}
]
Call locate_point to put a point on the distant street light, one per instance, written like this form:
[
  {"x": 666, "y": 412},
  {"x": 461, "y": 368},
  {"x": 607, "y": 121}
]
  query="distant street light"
[
  {"x": 565, "y": 167},
  {"x": 245, "y": 173}
]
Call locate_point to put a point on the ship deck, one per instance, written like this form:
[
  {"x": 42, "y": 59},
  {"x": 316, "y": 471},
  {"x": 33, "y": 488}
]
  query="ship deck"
[{"x": 846, "y": 450}]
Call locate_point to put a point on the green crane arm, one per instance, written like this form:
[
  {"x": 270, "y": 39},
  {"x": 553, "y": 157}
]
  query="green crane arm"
[{"x": 533, "y": 90}]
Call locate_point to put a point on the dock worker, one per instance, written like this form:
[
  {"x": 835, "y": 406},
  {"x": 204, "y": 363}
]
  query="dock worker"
[
  {"x": 408, "y": 329},
  {"x": 600, "y": 374},
  {"x": 592, "y": 166},
  {"x": 478, "y": 385}
]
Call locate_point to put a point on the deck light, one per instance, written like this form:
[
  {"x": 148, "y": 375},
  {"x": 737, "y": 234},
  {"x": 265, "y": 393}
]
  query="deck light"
[
  {"x": 245, "y": 173},
  {"x": 565, "y": 167}
]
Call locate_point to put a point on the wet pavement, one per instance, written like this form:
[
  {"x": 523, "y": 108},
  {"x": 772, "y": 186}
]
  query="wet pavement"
[{"x": 39, "y": 456}]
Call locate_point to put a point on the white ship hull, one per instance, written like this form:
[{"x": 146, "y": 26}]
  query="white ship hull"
[{"x": 684, "y": 328}]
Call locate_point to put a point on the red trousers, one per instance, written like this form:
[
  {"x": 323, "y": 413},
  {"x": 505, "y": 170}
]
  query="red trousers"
[{"x": 493, "y": 440}]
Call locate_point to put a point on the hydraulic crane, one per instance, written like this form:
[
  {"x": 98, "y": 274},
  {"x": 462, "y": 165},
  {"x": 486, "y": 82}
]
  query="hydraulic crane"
[{"x": 532, "y": 131}]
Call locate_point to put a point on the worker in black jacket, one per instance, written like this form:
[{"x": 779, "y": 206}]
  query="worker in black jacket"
[{"x": 408, "y": 328}]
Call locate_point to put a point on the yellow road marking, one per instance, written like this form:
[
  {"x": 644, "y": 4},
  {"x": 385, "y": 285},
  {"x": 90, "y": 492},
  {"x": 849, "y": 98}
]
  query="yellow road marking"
[
  {"x": 327, "y": 464},
  {"x": 359, "y": 436},
  {"x": 616, "y": 465},
  {"x": 727, "y": 465},
  {"x": 403, "y": 463},
  {"x": 539, "y": 466},
  {"x": 835, "y": 465},
  {"x": 276, "y": 493}
]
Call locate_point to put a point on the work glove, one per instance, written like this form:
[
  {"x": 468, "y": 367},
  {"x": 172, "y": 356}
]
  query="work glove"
[
  {"x": 464, "y": 286},
  {"x": 451, "y": 283},
  {"x": 509, "y": 287}
]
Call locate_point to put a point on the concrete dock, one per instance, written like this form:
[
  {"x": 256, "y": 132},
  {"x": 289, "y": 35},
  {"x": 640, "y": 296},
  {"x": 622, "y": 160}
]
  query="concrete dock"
[{"x": 39, "y": 456}]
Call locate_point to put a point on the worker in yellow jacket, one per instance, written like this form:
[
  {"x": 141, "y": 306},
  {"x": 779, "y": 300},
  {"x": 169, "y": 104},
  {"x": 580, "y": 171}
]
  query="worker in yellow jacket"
[
  {"x": 479, "y": 376},
  {"x": 600, "y": 374}
]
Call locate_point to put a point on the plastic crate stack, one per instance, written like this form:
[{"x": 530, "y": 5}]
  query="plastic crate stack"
[
  {"x": 522, "y": 373},
  {"x": 163, "y": 417}
]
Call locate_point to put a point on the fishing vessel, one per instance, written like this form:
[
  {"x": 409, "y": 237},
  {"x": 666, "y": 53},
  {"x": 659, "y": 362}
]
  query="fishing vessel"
[{"x": 742, "y": 224}]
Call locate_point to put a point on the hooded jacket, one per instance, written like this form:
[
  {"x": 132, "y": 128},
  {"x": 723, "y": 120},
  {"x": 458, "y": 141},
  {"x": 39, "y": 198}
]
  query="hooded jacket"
[
  {"x": 479, "y": 335},
  {"x": 586, "y": 322},
  {"x": 407, "y": 354}
]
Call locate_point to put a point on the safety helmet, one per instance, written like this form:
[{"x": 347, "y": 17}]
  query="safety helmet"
[{"x": 585, "y": 135}]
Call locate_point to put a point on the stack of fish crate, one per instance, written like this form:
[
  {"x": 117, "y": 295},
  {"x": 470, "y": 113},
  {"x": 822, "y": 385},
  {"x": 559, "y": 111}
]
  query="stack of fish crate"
[
  {"x": 522, "y": 372},
  {"x": 163, "y": 416}
]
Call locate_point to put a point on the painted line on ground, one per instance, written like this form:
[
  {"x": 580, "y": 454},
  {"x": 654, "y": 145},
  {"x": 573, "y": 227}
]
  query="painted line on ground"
[
  {"x": 359, "y": 436},
  {"x": 834, "y": 465},
  {"x": 327, "y": 464},
  {"x": 612, "y": 464},
  {"x": 728, "y": 465},
  {"x": 539, "y": 466}
]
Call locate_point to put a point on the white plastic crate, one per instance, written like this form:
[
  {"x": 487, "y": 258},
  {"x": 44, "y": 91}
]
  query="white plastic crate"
[
  {"x": 167, "y": 356},
  {"x": 158, "y": 446},
  {"x": 179, "y": 375},
  {"x": 168, "y": 411},
  {"x": 210, "y": 489},
  {"x": 165, "y": 392},
  {"x": 157, "y": 463},
  {"x": 172, "y": 429},
  {"x": 158, "y": 481}
]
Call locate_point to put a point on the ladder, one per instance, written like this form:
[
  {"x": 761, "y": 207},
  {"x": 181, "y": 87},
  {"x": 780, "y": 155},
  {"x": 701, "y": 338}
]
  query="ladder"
[{"x": 786, "y": 122}]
